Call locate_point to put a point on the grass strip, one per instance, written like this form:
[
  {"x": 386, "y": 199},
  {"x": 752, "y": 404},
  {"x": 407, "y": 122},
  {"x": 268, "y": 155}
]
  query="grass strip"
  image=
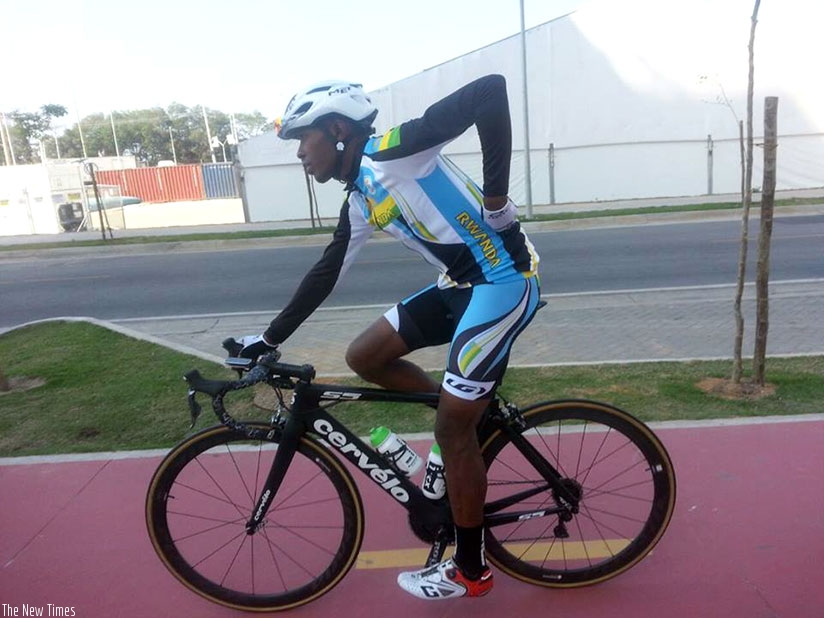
[{"x": 104, "y": 391}]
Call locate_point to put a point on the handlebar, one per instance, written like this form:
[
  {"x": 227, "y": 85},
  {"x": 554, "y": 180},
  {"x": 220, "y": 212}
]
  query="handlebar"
[{"x": 264, "y": 369}]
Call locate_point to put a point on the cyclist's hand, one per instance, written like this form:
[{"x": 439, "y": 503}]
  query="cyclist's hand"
[{"x": 254, "y": 346}]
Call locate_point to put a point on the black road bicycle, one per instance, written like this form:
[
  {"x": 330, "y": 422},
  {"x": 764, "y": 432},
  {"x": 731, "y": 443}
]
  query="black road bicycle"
[{"x": 265, "y": 516}]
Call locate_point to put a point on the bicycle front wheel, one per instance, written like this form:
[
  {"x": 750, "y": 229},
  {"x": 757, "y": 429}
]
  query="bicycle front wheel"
[
  {"x": 616, "y": 467},
  {"x": 202, "y": 495}
]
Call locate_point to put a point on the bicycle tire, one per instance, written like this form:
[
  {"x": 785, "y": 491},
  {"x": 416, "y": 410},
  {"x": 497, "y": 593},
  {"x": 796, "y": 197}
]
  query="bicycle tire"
[
  {"x": 204, "y": 491},
  {"x": 634, "y": 471}
]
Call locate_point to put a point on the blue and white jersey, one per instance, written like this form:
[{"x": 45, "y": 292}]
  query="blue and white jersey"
[
  {"x": 405, "y": 187},
  {"x": 433, "y": 208}
]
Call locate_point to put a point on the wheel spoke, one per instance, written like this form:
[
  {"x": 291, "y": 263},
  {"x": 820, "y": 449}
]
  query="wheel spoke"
[
  {"x": 622, "y": 507},
  {"x": 200, "y": 503}
]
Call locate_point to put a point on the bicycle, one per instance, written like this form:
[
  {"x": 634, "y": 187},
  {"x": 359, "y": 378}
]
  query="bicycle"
[{"x": 265, "y": 517}]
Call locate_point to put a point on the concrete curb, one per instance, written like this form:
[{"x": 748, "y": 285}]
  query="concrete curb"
[
  {"x": 123, "y": 330},
  {"x": 409, "y": 437}
]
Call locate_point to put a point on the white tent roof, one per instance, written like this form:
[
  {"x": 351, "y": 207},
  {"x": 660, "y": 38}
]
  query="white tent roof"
[{"x": 616, "y": 75}]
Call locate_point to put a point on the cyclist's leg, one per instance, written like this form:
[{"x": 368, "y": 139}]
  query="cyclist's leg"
[
  {"x": 418, "y": 321},
  {"x": 493, "y": 318},
  {"x": 489, "y": 317},
  {"x": 375, "y": 355}
]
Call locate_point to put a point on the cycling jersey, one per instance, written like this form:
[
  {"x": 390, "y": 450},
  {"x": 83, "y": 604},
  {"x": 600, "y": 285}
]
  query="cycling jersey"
[{"x": 405, "y": 187}]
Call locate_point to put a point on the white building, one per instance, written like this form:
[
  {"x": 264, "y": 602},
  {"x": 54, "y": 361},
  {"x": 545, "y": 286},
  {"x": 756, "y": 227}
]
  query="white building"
[
  {"x": 31, "y": 194},
  {"x": 630, "y": 99}
]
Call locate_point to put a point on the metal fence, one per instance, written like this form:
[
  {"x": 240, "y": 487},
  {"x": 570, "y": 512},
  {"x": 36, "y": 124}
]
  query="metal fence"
[{"x": 706, "y": 165}]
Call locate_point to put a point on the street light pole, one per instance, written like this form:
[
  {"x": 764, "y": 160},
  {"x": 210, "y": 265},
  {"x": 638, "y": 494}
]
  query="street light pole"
[
  {"x": 172, "y": 139},
  {"x": 80, "y": 128},
  {"x": 527, "y": 162},
  {"x": 114, "y": 135},
  {"x": 208, "y": 134},
  {"x": 5, "y": 128},
  {"x": 6, "y": 139}
]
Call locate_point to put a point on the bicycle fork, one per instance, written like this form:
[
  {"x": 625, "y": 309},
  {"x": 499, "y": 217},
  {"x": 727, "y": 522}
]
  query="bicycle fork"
[{"x": 287, "y": 446}]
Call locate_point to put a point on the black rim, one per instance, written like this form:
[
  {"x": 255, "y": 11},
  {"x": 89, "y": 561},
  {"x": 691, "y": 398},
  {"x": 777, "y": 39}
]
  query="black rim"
[{"x": 202, "y": 496}]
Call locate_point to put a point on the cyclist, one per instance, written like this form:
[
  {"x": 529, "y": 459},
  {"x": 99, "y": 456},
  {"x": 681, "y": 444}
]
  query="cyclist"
[{"x": 485, "y": 296}]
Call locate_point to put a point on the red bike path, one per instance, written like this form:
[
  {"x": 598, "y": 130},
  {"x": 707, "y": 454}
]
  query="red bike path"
[{"x": 746, "y": 540}]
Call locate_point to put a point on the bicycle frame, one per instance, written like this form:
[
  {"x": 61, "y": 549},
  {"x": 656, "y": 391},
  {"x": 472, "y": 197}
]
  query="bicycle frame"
[{"x": 308, "y": 417}]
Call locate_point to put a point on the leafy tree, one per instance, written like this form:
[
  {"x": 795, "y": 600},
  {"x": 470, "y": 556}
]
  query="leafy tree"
[
  {"x": 28, "y": 129},
  {"x": 250, "y": 125},
  {"x": 97, "y": 133},
  {"x": 149, "y": 134}
]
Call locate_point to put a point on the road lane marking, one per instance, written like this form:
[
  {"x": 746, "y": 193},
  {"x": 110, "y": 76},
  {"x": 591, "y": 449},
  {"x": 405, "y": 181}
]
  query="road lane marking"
[
  {"x": 545, "y": 551},
  {"x": 56, "y": 279}
]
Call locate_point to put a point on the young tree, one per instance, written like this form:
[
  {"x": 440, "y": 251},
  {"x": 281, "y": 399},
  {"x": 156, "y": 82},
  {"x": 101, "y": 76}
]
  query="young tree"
[
  {"x": 762, "y": 321},
  {"x": 747, "y": 203}
]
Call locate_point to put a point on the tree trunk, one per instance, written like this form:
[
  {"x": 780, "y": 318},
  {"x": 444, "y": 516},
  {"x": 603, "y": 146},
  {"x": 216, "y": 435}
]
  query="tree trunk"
[
  {"x": 747, "y": 196},
  {"x": 737, "y": 366},
  {"x": 762, "y": 320}
]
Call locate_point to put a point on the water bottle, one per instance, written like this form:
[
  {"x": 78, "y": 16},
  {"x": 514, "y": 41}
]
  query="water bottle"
[
  {"x": 434, "y": 483},
  {"x": 388, "y": 443}
]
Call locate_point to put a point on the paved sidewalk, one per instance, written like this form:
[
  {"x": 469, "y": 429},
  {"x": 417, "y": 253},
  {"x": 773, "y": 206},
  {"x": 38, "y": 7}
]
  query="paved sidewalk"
[{"x": 683, "y": 323}]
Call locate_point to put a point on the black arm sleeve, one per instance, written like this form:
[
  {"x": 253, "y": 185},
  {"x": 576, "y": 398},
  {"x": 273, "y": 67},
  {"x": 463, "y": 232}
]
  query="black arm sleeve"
[
  {"x": 316, "y": 285},
  {"x": 483, "y": 103}
]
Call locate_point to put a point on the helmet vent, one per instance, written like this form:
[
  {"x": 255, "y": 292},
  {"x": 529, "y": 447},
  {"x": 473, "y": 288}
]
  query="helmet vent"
[{"x": 302, "y": 109}]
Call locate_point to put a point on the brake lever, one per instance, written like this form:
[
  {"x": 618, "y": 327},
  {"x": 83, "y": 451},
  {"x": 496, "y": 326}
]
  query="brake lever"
[{"x": 194, "y": 407}]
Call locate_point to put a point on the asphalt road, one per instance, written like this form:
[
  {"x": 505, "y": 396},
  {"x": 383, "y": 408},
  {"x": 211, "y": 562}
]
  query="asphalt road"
[{"x": 158, "y": 283}]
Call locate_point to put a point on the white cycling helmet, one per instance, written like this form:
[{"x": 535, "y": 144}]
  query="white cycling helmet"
[{"x": 342, "y": 98}]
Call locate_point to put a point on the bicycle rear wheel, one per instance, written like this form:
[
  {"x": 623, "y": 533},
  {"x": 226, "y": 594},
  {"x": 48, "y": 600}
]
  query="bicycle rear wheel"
[
  {"x": 613, "y": 462},
  {"x": 202, "y": 495}
]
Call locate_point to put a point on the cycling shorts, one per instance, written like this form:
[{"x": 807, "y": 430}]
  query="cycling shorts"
[{"x": 481, "y": 322}]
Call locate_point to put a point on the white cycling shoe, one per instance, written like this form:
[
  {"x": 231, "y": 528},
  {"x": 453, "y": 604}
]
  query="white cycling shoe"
[{"x": 444, "y": 581}]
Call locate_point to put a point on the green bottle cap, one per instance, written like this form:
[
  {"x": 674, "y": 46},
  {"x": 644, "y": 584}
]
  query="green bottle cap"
[
  {"x": 436, "y": 449},
  {"x": 378, "y": 434}
]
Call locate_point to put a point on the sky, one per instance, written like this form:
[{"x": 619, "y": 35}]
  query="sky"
[{"x": 94, "y": 56}]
